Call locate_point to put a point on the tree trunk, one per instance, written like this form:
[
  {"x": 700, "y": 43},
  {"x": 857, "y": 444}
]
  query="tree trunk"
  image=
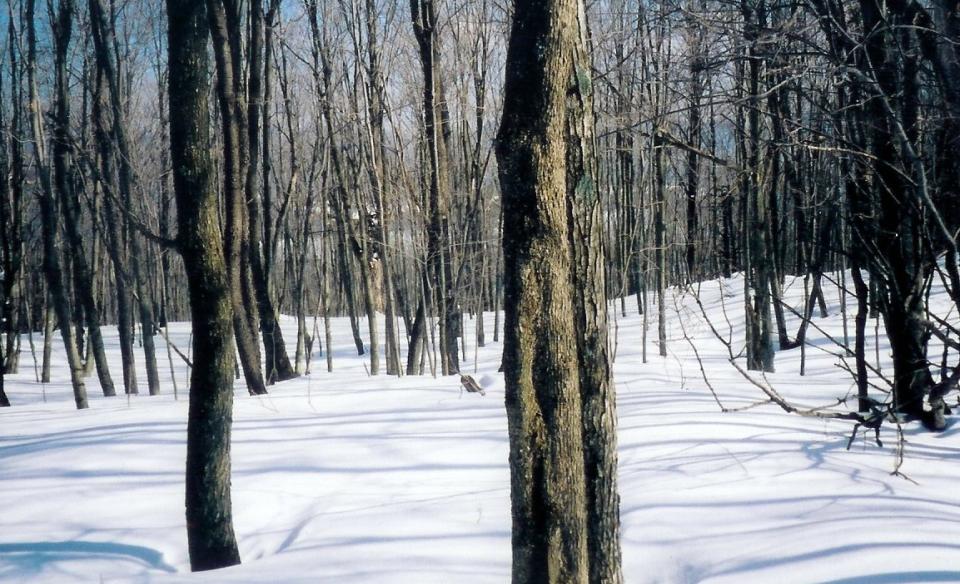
[
  {"x": 759, "y": 273},
  {"x": 224, "y": 17},
  {"x": 104, "y": 41},
  {"x": 693, "y": 158},
  {"x": 11, "y": 225},
  {"x": 115, "y": 237},
  {"x": 439, "y": 253},
  {"x": 555, "y": 365},
  {"x": 69, "y": 203},
  {"x": 276, "y": 360},
  {"x": 378, "y": 152},
  {"x": 586, "y": 239},
  {"x": 210, "y": 534},
  {"x": 49, "y": 219},
  {"x": 660, "y": 240}
]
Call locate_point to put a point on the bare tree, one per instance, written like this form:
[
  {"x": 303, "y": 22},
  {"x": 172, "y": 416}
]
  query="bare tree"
[
  {"x": 425, "y": 28},
  {"x": 226, "y": 33},
  {"x": 559, "y": 396},
  {"x": 210, "y": 532},
  {"x": 49, "y": 215}
]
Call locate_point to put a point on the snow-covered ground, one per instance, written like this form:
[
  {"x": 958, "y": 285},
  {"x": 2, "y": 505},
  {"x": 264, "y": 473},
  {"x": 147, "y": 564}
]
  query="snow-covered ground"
[{"x": 342, "y": 477}]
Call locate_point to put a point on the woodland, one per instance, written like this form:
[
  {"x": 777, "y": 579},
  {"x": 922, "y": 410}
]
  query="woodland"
[{"x": 200, "y": 199}]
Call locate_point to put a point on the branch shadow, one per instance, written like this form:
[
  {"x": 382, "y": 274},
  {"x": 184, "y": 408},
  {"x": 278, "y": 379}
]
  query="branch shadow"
[{"x": 34, "y": 556}]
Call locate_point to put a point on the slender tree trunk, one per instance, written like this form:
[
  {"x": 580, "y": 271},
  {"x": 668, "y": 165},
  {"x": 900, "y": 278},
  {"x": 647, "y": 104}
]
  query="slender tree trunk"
[
  {"x": 693, "y": 159},
  {"x": 659, "y": 241},
  {"x": 260, "y": 68},
  {"x": 4, "y": 400},
  {"x": 114, "y": 235},
  {"x": 69, "y": 203},
  {"x": 424, "y": 15},
  {"x": 224, "y": 17},
  {"x": 322, "y": 73},
  {"x": 759, "y": 274},
  {"x": 49, "y": 218},
  {"x": 11, "y": 225},
  {"x": 49, "y": 322},
  {"x": 104, "y": 40},
  {"x": 417, "y": 341},
  {"x": 378, "y": 151}
]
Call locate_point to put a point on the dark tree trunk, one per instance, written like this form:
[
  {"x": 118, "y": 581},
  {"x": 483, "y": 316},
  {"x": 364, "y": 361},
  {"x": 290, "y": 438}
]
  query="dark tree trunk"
[
  {"x": 439, "y": 252},
  {"x": 760, "y": 272},
  {"x": 900, "y": 273},
  {"x": 210, "y": 534},
  {"x": 4, "y": 400},
  {"x": 276, "y": 360},
  {"x": 558, "y": 392},
  {"x": 693, "y": 159},
  {"x": 660, "y": 239},
  {"x": 224, "y": 17},
  {"x": 11, "y": 224},
  {"x": 860, "y": 339},
  {"x": 115, "y": 237}
]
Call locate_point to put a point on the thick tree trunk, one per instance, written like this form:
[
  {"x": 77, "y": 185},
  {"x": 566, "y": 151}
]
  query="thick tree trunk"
[
  {"x": 586, "y": 239},
  {"x": 901, "y": 270},
  {"x": 210, "y": 534},
  {"x": 557, "y": 374}
]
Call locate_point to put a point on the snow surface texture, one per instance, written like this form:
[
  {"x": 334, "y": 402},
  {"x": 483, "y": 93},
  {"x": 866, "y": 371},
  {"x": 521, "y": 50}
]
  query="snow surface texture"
[{"x": 341, "y": 477}]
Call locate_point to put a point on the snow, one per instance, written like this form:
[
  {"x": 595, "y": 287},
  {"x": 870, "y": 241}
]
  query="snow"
[{"x": 342, "y": 477}]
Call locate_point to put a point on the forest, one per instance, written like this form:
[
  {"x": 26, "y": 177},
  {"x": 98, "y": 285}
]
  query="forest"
[{"x": 633, "y": 224}]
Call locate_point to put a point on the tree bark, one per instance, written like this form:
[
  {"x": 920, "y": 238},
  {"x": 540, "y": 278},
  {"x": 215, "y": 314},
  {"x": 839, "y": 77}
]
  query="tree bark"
[
  {"x": 597, "y": 392},
  {"x": 558, "y": 387},
  {"x": 210, "y": 534},
  {"x": 224, "y": 17}
]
